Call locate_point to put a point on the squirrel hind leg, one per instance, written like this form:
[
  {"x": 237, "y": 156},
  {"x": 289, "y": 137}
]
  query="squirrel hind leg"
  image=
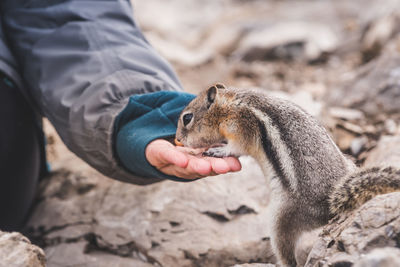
[{"x": 286, "y": 231}]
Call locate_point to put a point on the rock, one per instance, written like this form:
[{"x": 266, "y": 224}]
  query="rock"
[
  {"x": 343, "y": 138},
  {"x": 177, "y": 21},
  {"x": 17, "y": 251},
  {"x": 376, "y": 87},
  {"x": 351, "y": 127},
  {"x": 254, "y": 265},
  {"x": 211, "y": 222},
  {"x": 343, "y": 242},
  {"x": 387, "y": 152},
  {"x": 346, "y": 113},
  {"x": 180, "y": 55},
  {"x": 296, "y": 40},
  {"x": 382, "y": 257},
  {"x": 390, "y": 126},
  {"x": 317, "y": 89},
  {"x": 77, "y": 255},
  {"x": 378, "y": 33},
  {"x": 224, "y": 37},
  {"x": 302, "y": 98},
  {"x": 181, "y": 27},
  {"x": 358, "y": 144}
]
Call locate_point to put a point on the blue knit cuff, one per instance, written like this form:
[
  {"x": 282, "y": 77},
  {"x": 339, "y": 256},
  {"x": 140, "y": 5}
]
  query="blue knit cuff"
[{"x": 146, "y": 118}]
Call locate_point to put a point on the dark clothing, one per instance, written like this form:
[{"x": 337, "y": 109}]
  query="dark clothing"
[{"x": 20, "y": 155}]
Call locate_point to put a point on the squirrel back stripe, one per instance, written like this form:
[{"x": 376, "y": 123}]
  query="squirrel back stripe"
[
  {"x": 354, "y": 190},
  {"x": 275, "y": 149},
  {"x": 272, "y": 154}
]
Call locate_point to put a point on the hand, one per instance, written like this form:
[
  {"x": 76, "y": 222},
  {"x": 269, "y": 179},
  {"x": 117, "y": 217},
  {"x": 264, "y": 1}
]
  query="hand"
[{"x": 180, "y": 161}]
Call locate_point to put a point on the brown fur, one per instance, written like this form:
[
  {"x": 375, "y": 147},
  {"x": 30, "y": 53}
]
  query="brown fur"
[
  {"x": 359, "y": 187},
  {"x": 312, "y": 179}
]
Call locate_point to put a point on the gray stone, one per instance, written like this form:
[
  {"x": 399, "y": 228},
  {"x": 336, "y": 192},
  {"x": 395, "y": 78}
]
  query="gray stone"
[
  {"x": 376, "y": 224},
  {"x": 255, "y": 265},
  {"x": 296, "y": 40},
  {"x": 217, "y": 221},
  {"x": 380, "y": 257},
  {"x": 376, "y": 87},
  {"x": 391, "y": 126},
  {"x": 179, "y": 54},
  {"x": 302, "y": 98},
  {"x": 180, "y": 27},
  {"x": 76, "y": 255},
  {"x": 17, "y": 251},
  {"x": 358, "y": 144},
  {"x": 345, "y": 113},
  {"x": 378, "y": 33},
  {"x": 387, "y": 152}
]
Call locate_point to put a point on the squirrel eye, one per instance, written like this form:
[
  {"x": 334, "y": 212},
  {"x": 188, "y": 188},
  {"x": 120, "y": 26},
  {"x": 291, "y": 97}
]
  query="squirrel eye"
[{"x": 187, "y": 118}]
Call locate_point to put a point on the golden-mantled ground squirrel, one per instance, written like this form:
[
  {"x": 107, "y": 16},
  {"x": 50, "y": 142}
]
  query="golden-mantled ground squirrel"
[{"x": 312, "y": 181}]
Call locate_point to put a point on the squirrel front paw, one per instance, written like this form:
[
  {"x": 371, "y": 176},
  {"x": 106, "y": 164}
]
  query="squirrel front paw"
[{"x": 216, "y": 152}]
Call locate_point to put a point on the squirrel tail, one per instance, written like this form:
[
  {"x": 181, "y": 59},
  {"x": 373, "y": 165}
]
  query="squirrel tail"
[{"x": 357, "y": 188}]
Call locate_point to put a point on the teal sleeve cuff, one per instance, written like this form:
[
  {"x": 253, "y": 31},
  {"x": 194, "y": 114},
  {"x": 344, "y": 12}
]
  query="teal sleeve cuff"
[{"x": 147, "y": 117}]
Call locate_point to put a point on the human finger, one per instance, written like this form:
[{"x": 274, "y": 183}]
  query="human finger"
[
  {"x": 219, "y": 165},
  {"x": 234, "y": 164},
  {"x": 180, "y": 172}
]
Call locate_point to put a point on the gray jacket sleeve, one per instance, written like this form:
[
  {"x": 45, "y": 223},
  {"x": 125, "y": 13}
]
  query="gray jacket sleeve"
[{"x": 82, "y": 60}]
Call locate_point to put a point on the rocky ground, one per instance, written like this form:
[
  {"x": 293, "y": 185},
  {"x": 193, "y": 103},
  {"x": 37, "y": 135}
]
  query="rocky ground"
[{"x": 339, "y": 59}]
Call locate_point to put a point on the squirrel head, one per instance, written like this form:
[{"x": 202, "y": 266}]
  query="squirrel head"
[{"x": 199, "y": 123}]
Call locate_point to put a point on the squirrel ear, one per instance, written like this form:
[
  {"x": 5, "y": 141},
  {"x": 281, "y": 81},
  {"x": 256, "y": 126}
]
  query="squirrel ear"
[{"x": 212, "y": 92}]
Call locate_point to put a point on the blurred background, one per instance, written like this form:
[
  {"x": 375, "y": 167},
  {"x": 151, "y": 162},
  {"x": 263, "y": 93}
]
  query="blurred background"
[
  {"x": 267, "y": 43},
  {"x": 338, "y": 59},
  {"x": 327, "y": 54}
]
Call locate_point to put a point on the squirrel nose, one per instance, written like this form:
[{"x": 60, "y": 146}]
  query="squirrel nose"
[{"x": 178, "y": 142}]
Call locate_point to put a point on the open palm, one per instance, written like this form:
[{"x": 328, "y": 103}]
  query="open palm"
[{"x": 187, "y": 163}]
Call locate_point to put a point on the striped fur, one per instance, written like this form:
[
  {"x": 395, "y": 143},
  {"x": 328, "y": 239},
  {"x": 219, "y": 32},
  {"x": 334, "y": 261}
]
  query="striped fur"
[
  {"x": 276, "y": 152},
  {"x": 307, "y": 184}
]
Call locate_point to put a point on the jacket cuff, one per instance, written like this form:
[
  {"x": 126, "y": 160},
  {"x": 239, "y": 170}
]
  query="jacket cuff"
[{"x": 139, "y": 124}]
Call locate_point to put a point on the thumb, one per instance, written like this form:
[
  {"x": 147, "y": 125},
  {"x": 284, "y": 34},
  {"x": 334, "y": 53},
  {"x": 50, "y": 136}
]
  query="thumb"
[
  {"x": 161, "y": 152},
  {"x": 172, "y": 156}
]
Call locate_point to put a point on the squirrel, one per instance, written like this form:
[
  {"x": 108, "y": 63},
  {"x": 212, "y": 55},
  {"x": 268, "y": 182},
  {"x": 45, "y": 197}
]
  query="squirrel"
[{"x": 312, "y": 180}]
